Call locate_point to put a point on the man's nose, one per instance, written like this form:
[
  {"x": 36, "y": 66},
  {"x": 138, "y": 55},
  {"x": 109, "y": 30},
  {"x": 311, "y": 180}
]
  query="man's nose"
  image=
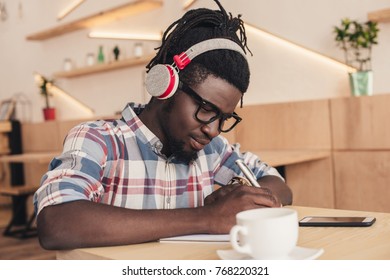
[{"x": 211, "y": 129}]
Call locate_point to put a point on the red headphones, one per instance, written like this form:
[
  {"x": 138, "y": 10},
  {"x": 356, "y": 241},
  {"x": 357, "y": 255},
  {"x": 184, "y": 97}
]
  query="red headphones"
[{"x": 162, "y": 79}]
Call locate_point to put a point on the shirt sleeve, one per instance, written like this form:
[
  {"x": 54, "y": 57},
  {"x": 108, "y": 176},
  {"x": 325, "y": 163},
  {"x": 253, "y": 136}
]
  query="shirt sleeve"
[
  {"x": 76, "y": 173},
  {"x": 227, "y": 167}
]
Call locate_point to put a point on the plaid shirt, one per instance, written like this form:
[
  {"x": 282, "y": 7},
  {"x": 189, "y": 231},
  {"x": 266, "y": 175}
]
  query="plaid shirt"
[{"x": 119, "y": 162}]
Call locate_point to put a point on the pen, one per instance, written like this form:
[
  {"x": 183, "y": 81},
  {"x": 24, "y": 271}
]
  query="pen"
[{"x": 248, "y": 173}]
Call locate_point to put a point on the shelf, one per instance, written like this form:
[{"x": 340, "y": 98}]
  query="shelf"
[
  {"x": 380, "y": 15},
  {"x": 135, "y": 7},
  {"x": 103, "y": 67}
]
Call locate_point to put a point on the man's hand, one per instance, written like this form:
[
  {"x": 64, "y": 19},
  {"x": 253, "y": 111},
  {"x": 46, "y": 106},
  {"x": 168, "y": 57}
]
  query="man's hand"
[{"x": 227, "y": 201}]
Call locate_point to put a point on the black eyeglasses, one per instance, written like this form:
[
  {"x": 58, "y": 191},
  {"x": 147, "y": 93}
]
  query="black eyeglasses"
[{"x": 207, "y": 112}]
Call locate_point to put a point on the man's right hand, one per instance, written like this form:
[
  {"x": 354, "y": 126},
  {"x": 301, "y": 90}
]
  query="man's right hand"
[{"x": 226, "y": 202}]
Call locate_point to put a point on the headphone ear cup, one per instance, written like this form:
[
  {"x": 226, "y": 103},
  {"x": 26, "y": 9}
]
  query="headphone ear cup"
[{"x": 162, "y": 81}]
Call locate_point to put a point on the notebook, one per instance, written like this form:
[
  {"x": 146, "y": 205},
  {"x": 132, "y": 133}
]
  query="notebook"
[{"x": 197, "y": 238}]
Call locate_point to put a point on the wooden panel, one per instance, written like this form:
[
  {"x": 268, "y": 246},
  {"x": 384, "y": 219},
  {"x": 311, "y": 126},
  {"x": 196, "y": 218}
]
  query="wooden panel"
[
  {"x": 361, "y": 122},
  {"x": 380, "y": 15},
  {"x": 230, "y": 136},
  {"x": 41, "y": 157},
  {"x": 40, "y": 137},
  {"x": 312, "y": 183},
  {"x": 295, "y": 125},
  {"x": 287, "y": 157},
  {"x": 362, "y": 180},
  {"x": 4, "y": 183},
  {"x": 5, "y": 126},
  {"x": 33, "y": 173},
  {"x": 65, "y": 126},
  {"x": 129, "y": 9},
  {"x": 4, "y": 144},
  {"x": 17, "y": 191}
]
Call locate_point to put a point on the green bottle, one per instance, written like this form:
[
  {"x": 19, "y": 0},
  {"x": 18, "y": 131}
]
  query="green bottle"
[{"x": 100, "y": 57}]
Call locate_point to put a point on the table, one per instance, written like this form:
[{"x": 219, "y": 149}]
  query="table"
[{"x": 338, "y": 243}]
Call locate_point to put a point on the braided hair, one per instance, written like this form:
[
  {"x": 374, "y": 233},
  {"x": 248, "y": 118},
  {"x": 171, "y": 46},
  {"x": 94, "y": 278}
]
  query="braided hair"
[{"x": 199, "y": 25}]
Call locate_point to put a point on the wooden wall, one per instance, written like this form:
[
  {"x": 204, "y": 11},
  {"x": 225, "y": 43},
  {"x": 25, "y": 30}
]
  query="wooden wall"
[
  {"x": 296, "y": 126},
  {"x": 361, "y": 143},
  {"x": 355, "y": 131},
  {"x": 5, "y": 128},
  {"x": 46, "y": 136},
  {"x": 43, "y": 137},
  {"x": 353, "y": 134},
  {"x": 285, "y": 126}
]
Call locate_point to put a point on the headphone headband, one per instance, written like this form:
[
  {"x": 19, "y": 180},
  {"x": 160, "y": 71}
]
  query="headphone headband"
[{"x": 183, "y": 59}]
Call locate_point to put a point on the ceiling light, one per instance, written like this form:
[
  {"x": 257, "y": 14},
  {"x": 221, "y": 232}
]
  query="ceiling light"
[
  {"x": 55, "y": 90},
  {"x": 188, "y": 4},
  {"x": 286, "y": 43},
  {"x": 68, "y": 9},
  {"x": 125, "y": 36}
]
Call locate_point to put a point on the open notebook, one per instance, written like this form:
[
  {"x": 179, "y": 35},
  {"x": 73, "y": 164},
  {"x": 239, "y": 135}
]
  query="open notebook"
[{"x": 198, "y": 238}]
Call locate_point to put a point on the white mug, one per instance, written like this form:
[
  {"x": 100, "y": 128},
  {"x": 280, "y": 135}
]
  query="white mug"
[{"x": 265, "y": 233}]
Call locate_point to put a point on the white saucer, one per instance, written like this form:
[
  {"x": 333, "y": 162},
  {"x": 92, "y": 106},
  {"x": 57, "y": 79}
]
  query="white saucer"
[{"x": 298, "y": 253}]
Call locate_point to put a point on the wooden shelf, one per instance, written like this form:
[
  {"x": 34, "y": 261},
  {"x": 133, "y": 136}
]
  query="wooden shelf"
[
  {"x": 286, "y": 157},
  {"x": 103, "y": 67},
  {"x": 132, "y": 8},
  {"x": 380, "y": 15}
]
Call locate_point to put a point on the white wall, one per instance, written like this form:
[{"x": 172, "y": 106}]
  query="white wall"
[{"x": 279, "y": 73}]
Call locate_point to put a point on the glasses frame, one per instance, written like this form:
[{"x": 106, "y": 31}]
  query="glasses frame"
[{"x": 219, "y": 115}]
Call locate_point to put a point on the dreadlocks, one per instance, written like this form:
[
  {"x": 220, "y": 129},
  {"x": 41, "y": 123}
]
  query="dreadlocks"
[{"x": 199, "y": 25}]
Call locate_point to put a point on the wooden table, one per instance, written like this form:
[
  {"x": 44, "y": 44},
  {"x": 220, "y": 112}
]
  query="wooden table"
[{"x": 338, "y": 243}]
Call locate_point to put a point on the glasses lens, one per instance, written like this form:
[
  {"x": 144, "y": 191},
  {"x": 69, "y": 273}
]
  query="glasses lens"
[
  {"x": 228, "y": 123},
  {"x": 206, "y": 113}
]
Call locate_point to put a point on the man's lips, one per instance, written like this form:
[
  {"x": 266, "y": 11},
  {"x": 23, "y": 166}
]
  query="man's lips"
[{"x": 198, "y": 144}]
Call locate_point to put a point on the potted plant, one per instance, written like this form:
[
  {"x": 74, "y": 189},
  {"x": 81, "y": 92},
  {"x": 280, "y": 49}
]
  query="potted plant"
[
  {"x": 356, "y": 40},
  {"x": 45, "y": 85}
]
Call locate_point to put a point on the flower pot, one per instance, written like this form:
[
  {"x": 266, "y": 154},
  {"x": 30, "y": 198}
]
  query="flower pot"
[
  {"x": 361, "y": 83},
  {"x": 49, "y": 114}
]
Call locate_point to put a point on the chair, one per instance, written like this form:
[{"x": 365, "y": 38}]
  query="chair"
[{"x": 19, "y": 195}]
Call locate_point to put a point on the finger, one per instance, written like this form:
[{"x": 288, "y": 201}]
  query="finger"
[
  {"x": 260, "y": 196},
  {"x": 255, "y": 190},
  {"x": 221, "y": 192}
]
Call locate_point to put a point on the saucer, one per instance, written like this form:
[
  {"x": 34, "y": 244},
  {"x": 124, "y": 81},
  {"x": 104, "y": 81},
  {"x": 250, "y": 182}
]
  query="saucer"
[{"x": 298, "y": 253}]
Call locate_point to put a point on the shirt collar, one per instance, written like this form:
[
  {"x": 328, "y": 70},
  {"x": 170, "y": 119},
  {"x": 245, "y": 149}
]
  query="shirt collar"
[{"x": 130, "y": 116}]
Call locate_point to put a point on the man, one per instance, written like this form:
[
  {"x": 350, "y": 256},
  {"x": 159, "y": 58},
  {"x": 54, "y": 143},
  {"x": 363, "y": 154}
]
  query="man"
[{"x": 152, "y": 173}]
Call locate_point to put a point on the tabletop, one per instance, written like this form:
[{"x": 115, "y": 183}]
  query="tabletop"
[{"x": 338, "y": 242}]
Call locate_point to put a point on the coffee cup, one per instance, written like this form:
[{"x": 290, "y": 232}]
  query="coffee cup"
[{"x": 265, "y": 233}]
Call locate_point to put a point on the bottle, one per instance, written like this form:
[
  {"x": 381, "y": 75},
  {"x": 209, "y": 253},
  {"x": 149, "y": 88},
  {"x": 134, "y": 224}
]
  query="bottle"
[
  {"x": 90, "y": 59},
  {"x": 68, "y": 65},
  {"x": 138, "y": 50},
  {"x": 116, "y": 52},
  {"x": 100, "y": 57}
]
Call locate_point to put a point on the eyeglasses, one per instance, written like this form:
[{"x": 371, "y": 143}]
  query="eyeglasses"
[{"x": 207, "y": 112}]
